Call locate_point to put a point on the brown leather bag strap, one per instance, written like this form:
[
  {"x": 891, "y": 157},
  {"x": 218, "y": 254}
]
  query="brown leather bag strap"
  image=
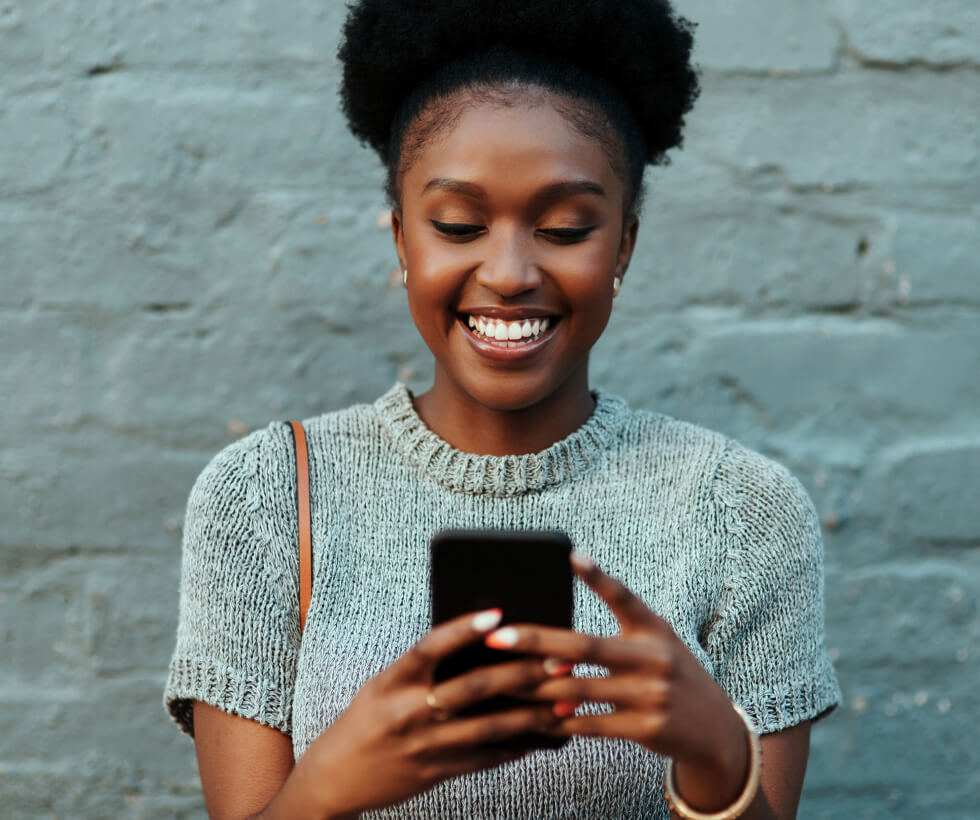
[{"x": 303, "y": 507}]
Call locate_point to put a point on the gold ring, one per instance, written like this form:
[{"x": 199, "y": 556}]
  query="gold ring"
[{"x": 438, "y": 713}]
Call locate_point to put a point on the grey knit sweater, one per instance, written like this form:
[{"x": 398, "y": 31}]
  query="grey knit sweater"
[{"x": 722, "y": 542}]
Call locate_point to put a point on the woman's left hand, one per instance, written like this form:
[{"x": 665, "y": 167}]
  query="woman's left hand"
[{"x": 661, "y": 696}]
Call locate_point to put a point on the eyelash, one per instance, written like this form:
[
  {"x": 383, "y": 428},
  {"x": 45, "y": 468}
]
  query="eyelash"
[{"x": 461, "y": 231}]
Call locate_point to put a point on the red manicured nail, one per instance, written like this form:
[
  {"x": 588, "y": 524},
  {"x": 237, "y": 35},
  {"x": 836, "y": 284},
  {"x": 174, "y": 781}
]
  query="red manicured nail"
[
  {"x": 557, "y": 668},
  {"x": 502, "y": 639},
  {"x": 564, "y": 708}
]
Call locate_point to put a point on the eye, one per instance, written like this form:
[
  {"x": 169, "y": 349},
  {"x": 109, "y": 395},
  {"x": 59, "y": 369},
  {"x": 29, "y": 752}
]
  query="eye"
[
  {"x": 567, "y": 236},
  {"x": 457, "y": 230}
]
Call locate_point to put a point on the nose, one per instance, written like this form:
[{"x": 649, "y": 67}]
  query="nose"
[{"x": 509, "y": 267}]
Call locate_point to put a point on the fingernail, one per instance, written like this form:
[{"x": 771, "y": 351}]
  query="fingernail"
[
  {"x": 582, "y": 561},
  {"x": 485, "y": 621},
  {"x": 564, "y": 708},
  {"x": 502, "y": 639},
  {"x": 556, "y": 667}
]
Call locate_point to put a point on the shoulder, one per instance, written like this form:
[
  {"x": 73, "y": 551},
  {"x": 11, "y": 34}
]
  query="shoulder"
[
  {"x": 263, "y": 455},
  {"x": 267, "y": 455},
  {"x": 684, "y": 454},
  {"x": 673, "y": 434},
  {"x": 242, "y": 503},
  {"x": 358, "y": 421},
  {"x": 762, "y": 499},
  {"x": 739, "y": 477},
  {"x": 259, "y": 469},
  {"x": 752, "y": 497},
  {"x": 769, "y": 526}
]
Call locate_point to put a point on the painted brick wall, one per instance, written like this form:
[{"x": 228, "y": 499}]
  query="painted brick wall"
[{"x": 192, "y": 245}]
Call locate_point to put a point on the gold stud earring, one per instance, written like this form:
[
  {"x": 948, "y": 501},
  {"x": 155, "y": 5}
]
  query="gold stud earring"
[
  {"x": 405, "y": 277},
  {"x": 617, "y": 282}
]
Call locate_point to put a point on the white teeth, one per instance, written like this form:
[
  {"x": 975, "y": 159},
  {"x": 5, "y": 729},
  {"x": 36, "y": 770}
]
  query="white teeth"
[{"x": 508, "y": 334}]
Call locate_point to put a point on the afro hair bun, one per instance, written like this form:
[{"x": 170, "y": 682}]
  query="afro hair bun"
[{"x": 640, "y": 48}]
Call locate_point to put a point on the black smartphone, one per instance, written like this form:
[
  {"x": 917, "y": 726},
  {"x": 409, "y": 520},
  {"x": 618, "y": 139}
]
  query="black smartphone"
[{"x": 524, "y": 573}]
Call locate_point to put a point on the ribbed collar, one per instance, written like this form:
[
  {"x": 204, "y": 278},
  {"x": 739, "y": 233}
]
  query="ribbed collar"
[{"x": 500, "y": 475}]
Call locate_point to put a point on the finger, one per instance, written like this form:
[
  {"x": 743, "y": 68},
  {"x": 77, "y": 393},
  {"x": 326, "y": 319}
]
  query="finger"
[
  {"x": 442, "y": 640},
  {"x": 641, "y": 726},
  {"x": 624, "y": 692},
  {"x": 467, "y": 761},
  {"x": 628, "y": 608},
  {"x": 580, "y": 647},
  {"x": 484, "y": 729},
  {"x": 487, "y": 681}
]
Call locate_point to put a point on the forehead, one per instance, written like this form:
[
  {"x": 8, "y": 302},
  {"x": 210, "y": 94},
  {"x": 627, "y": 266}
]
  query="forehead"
[{"x": 512, "y": 146}]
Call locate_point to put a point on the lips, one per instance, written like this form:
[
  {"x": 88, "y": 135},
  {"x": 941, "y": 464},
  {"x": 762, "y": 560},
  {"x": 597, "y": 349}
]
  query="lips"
[{"x": 500, "y": 345}]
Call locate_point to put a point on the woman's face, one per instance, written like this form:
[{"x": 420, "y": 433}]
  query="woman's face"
[{"x": 511, "y": 227}]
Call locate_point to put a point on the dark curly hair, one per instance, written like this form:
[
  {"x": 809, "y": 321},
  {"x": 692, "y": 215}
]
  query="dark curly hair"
[{"x": 624, "y": 67}]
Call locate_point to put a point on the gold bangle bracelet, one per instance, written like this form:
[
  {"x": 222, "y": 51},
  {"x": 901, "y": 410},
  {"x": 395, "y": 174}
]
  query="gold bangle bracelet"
[{"x": 744, "y": 799}]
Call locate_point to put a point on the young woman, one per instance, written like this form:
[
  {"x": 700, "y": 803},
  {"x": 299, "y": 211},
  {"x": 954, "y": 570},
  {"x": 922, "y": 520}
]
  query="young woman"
[{"x": 515, "y": 136}]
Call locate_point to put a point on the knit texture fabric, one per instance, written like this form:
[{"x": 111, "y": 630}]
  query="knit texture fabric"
[{"x": 719, "y": 540}]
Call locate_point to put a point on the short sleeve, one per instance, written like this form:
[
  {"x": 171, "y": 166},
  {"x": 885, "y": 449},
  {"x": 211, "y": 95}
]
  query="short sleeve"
[
  {"x": 766, "y": 641},
  {"x": 238, "y": 628}
]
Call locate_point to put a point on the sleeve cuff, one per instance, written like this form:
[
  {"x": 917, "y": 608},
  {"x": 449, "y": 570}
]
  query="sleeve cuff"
[
  {"x": 786, "y": 706},
  {"x": 191, "y": 679}
]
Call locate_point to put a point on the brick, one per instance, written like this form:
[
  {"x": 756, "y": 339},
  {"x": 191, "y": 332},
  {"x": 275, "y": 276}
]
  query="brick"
[
  {"x": 812, "y": 379},
  {"x": 934, "y": 627},
  {"x": 763, "y": 244},
  {"x": 928, "y": 490},
  {"x": 84, "y": 754},
  {"x": 771, "y": 35},
  {"x": 752, "y": 250},
  {"x": 182, "y": 378},
  {"x": 929, "y": 259},
  {"x": 910, "y": 720},
  {"x": 34, "y": 127},
  {"x": 177, "y": 248},
  {"x": 856, "y": 129},
  {"x": 153, "y": 260},
  {"x": 901, "y": 801},
  {"x": 106, "y": 499},
  {"x": 54, "y": 791},
  {"x": 82, "y": 618},
  {"x": 79, "y": 35},
  {"x": 941, "y": 32},
  {"x": 162, "y": 129},
  {"x": 84, "y": 726},
  {"x": 830, "y": 376}
]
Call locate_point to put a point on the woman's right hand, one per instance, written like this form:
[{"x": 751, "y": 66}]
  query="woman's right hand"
[{"x": 392, "y": 743}]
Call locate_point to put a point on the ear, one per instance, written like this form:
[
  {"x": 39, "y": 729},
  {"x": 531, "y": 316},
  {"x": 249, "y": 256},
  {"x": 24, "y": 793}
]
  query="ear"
[
  {"x": 398, "y": 235},
  {"x": 626, "y": 246}
]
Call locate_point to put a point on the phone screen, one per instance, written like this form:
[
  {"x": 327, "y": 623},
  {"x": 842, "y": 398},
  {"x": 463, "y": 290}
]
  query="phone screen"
[{"x": 524, "y": 573}]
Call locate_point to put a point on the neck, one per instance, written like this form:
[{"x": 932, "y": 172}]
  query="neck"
[{"x": 473, "y": 427}]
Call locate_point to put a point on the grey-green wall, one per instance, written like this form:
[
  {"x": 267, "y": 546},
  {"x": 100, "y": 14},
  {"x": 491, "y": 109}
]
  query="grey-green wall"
[{"x": 191, "y": 245}]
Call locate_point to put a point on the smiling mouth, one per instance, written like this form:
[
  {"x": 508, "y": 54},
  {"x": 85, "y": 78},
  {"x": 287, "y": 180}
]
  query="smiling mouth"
[{"x": 499, "y": 332}]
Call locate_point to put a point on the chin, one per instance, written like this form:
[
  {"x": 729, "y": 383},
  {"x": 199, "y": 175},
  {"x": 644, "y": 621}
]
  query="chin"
[{"x": 508, "y": 391}]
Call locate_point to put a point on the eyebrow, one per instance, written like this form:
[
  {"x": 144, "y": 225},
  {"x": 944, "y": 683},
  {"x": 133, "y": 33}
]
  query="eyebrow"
[{"x": 549, "y": 193}]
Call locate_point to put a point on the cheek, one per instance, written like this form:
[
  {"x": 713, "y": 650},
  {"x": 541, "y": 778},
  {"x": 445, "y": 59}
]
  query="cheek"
[
  {"x": 584, "y": 273},
  {"x": 432, "y": 294},
  {"x": 435, "y": 269}
]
